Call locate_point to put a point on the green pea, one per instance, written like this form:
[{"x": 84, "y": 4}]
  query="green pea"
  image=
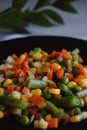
[
  {"x": 64, "y": 80},
  {"x": 64, "y": 68},
  {"x": 63, "y": 87},
  {"x": 37, "y": 49},
  {"x": 66, "y": 62},
  {"x": 77, "y": 88},
  {"x": 47, "y": 95},
  {"x": 24, "y": 120},
  {"x": 69, "y": 93}
]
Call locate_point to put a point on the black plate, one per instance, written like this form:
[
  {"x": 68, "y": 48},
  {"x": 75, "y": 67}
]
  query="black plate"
[{"x": 47, "y": 43}]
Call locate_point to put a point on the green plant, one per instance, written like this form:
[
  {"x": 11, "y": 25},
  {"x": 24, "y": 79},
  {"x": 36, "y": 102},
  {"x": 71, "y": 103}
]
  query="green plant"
[{"x": 42, "y": 14}]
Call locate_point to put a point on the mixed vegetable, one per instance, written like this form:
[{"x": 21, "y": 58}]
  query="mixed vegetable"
[{"x": 44, "y": 89}]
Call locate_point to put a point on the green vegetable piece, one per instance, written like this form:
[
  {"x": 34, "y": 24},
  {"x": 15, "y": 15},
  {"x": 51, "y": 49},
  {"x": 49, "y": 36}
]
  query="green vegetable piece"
[
  {"x": 12, "y": 102},
  {"x": 37, "y": 49},
  {"x": 77, "y": 88},
  {"x": 75, "y": 51},
  {"x": 36, "y": 83},
  {"x": 63, "y": 87},
  {"x": 64, "y": 80},
  {"x": 67, "y": 102},
  {"x": 66, "y": 62},
  {"x": 82, "y": 103},
  {"x": 82, "y": 93},
  {"x": 75, "y": 57},
  {"x": 47, "y": 95},
  {"x": 74, "y": 111},
  {"x": 24, "y": 120},
  {"x": 75, "y": 71},
  {"x": 57, "y": 112},
  {"x": 2, "y": 107}
]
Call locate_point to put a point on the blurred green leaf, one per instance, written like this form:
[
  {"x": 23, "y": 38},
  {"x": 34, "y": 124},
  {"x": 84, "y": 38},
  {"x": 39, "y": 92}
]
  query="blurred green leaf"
[
  {"x": 65, "y": 6},
  {"x": 11, "y": 18},
  {"x": 38, "y": 18},
  {"x": 53, "y": 15},
  {"x": 42, "y": 3},
  {"x": 18, "y": 4}
]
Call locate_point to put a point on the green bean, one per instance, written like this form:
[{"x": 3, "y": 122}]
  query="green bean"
[
  {"x": 67, "y": 102},
  {"x": 36, "y": 83},
  {"x": 75, "y": 51},
  {"x": 12, "y": 102},
  {"x": 75, "y": 111},
  {"x": 57, "y": 112},
  {"x": 75, "y": 57},
  {"x": 82, "y": 93},
  {"x": 24, "y": 120}
]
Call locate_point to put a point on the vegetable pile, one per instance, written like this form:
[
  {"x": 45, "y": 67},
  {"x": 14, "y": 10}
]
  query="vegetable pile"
[{"x": 44, "y": 89}]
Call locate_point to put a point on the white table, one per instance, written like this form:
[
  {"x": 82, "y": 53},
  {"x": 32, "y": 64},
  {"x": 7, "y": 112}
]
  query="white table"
[{"x": 75, "y": 24}]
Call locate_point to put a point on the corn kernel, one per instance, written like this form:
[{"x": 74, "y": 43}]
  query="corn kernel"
[
  {"x": 36, "y": 92},
  {"x": 25, "y": 97},
  {"x": 7, "y": 82},
  {"x": 43, "y": 124},
  {"x": 16, "y": 111},
  {"x": 23, "y": 56},
  {"x": 48, "y": 117},
  {"x": 54, "y": 91},
  {"x": 2, "y": 91},
  {"x": 16, "y": 94},
  {"x": 83, "y": 83},
  {"x": 1, "y": 114},
  {"x": 71, "y": 84},
  {"x": 75, "y": 118},
  {"x": 37, "y": 56}
]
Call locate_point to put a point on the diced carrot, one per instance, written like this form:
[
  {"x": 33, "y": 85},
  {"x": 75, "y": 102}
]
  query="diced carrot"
[
  {"x": 60, "y": 73},
  {"x": 81, "y": 68},
  {"x": 53, "y": 85},
  {"x": 55, "y": 53},
  {"x": 54, "y": 67},
  {"x": 53, "y": 123},
  {"x": 68, "y": 57},
  {"x": 32, "y": 110},
  {"x": 78, "y": 78},
  {"x": 19, "y": 72},
  {"x": 50, "y": 74},
  {"x": 25, "y": 90},
  {"x": 85, "y": 99},
  {"x": 10, "y": 88},
  {"x": 37, "y": 100},
  {"x": 70, "y": 77},
  {"x": 19, "y": 61}
]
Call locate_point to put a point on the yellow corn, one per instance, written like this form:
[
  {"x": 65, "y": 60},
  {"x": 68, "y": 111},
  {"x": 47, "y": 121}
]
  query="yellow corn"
[
  {"x": 36, "y": 92},
  {"x": 2, "y": 91},
  {"x": 71, "y": 84},
  {"x": 48, "y": 117},
  {"x": 7, "y": 82},
  {"x": 37, "y": 56},
  {"x": 16, "y": 94},
  {"x": 57, "y": 66},
  {"x": 83, "y": 83},
  {"x": 54, "y": 91},
  {"x": 43, "y": 124},
  {"x": 1, "y": 114},
  {"x": 33, "y": 70},
  {"x": 23, "y": 56},
  {"x": 75, "y": 118},
  {"x": 25, "y": 97},
  {"x": 16, "y": 111}
]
